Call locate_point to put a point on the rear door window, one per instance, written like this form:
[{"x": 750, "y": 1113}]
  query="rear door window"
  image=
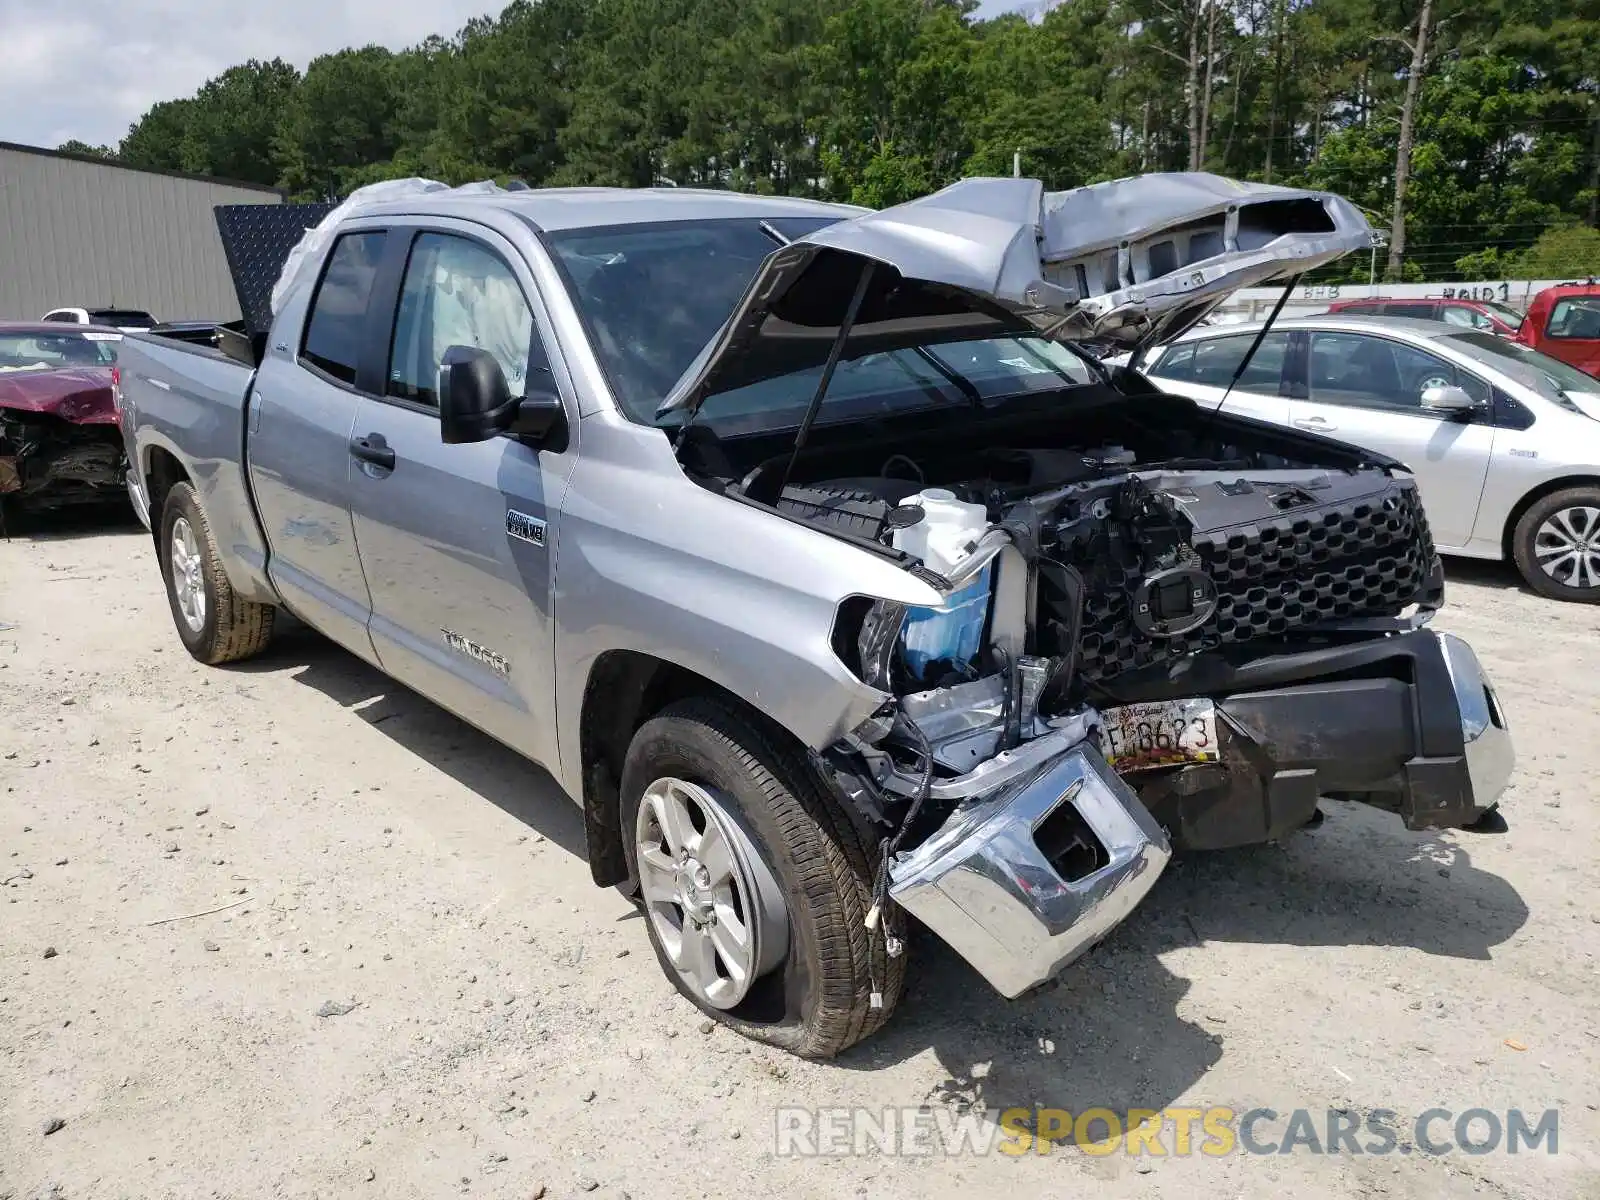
[
  {"x": 1211, "y": 362},
  {"x": 1417, "y": 312},
  {"x": 337, "y": 322}
]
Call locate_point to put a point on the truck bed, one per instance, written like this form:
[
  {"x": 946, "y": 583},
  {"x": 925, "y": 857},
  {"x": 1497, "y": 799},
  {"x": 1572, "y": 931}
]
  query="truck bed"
[{"x": 184, "y": 411}]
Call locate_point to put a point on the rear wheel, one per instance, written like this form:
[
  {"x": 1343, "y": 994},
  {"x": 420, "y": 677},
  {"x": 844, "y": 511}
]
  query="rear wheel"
[
  {"x": 215, "y": 625},
  {"x": 755, "y": 885},
  {"x": 1557, "y": 545}
]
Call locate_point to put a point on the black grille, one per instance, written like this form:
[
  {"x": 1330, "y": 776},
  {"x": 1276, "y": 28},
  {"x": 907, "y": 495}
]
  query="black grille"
[{"x": 1370, "y": 557}]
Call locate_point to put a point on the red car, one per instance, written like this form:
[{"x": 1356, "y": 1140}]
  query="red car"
[
  {"x": 1564, "y": 322},
  {"x": 59, "y": 442},
  {"x": 1489, "y": 316}
]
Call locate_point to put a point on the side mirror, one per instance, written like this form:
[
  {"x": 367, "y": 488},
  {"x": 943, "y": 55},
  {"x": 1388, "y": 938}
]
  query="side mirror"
[
  {"x": 541, "y": 420},
  {"x": 1449, "y": 399},
  {"x": 474, "y": 402}
]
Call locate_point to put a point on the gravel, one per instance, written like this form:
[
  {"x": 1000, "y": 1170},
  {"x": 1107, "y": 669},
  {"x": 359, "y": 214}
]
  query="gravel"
[{"x": 1312, "y": 950}]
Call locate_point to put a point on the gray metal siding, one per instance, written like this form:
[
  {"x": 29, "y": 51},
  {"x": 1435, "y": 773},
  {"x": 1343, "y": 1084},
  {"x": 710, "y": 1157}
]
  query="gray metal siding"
[{"x": 87, "y": 235}]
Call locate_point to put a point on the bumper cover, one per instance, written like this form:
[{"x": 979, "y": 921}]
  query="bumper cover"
[
  {"x": 1424, "y": 737},
  {"x": 1057, "y": 849},
  {"x": 1024, "y": 880}
]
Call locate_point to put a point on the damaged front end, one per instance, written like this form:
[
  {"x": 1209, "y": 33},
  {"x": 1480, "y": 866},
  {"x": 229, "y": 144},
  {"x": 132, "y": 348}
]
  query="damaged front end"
[
  {"x": 59, "y": 442},
  {"x": 1119, "y": 578}
]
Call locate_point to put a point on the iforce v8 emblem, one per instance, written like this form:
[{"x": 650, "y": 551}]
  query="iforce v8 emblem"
[{"x": 524, "y": 528}]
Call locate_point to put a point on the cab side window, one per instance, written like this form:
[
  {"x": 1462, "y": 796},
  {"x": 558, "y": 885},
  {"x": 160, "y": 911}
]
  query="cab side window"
[
  {"x": 457, "y": 292},
  {"x": 338, "y": 317}
]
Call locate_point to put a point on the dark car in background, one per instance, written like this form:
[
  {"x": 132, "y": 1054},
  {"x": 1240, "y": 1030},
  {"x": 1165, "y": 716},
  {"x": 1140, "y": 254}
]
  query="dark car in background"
[{"x": 59, "y": 442}]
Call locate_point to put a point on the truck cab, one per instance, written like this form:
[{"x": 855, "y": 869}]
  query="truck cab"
[{"x": 1564, "y": 322}]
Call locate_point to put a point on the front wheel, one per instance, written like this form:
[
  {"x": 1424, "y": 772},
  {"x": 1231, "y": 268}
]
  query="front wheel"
[
  {"x": 754, "y": 884},
  {"x": 1557, "y": 545}
]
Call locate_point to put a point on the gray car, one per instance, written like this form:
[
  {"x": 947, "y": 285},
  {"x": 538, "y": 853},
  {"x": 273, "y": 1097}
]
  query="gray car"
[
  {"x": 1504, "y": 441},
  {"x": 811, "y": 557}
]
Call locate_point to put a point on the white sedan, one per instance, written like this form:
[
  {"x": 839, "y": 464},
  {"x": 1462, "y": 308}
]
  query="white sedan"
[{"x": 1504, "y": 441}]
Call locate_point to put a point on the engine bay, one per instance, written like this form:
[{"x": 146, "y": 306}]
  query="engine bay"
[{"x": 1076, "y": 549}]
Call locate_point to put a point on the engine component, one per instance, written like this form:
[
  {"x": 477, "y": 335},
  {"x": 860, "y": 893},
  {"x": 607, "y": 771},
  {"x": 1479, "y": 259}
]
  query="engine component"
[{"x": 1262, "y": 558}]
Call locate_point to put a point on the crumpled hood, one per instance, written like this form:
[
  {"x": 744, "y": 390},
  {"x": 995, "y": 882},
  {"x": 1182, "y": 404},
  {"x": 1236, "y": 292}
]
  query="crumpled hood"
[
  {"x": 1134, "y": 262},
  {"x": 80, "y": 395}
]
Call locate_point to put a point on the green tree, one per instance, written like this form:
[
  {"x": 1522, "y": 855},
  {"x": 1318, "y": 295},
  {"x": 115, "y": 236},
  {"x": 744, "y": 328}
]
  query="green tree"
[
  {"x": 233, "y": 118},
  {"x": 341, "y": 120},
  {"x": 84, "y": 148},
  {"x": 157, "y": 140},
  {"x": 1571, "y": 252}
]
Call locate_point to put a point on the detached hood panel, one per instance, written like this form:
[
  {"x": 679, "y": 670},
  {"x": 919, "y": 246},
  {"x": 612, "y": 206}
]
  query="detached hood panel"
[
  {"x": 1134, "y": 263},
  {"x": 82, "y": 397}
]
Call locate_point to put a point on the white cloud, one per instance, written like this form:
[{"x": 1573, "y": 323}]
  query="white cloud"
[{"x": 88, "y": 70}]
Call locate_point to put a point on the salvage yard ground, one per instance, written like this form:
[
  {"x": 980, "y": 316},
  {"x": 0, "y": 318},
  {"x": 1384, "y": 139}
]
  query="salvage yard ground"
[{"x": 495, "y": 1024}]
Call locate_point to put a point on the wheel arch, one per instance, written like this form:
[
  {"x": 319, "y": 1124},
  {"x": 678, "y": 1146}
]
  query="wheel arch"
[
  {"x": 1518, "y": 510},
  {"x": 625, "y": 688},
  {"x": 162, "y": 470}
]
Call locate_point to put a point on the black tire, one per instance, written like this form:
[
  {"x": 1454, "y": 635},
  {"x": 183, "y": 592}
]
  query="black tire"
[
  {"x": 817, "y": 1001},
  {"x": 1525, "y": 541},
  {"x": 232, "y": 628}
]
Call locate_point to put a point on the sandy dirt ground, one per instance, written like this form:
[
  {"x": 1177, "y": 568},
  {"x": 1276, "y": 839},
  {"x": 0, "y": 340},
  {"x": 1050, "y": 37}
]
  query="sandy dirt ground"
[{"x": 510, "y": 1031}]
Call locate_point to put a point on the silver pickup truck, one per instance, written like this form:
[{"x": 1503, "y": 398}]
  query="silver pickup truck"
[{"x": 816, "y": 559}]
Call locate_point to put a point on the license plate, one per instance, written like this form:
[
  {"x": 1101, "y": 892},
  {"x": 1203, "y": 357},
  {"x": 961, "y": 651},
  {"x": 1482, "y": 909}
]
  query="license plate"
[{"x": 1162, "y": 734}]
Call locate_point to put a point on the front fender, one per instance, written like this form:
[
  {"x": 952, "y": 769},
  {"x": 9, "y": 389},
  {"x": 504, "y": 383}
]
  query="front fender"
[{"x": 651, "y": 562}]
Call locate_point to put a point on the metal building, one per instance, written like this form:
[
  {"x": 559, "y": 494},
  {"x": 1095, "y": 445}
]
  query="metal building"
[{"x": 85, "y": 232}]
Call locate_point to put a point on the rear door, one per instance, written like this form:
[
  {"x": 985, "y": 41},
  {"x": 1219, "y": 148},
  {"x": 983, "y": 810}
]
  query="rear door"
[
  {"x": 458, "y": 542},
  {"x": 1201, "y": 369},
  {"x": 302, "y": 410},
  {"x": 1366, "y": 389}
]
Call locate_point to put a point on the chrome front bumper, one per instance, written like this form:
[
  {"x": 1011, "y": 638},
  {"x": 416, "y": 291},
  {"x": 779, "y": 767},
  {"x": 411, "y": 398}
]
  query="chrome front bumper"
[
  {"x": 1484, "y": 732},
  {"x": 1019, "y": 912}
]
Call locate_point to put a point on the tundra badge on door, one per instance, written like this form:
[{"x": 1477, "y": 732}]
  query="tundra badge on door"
[
  {"x": 468, "y": 648},
  {"x": 521, "y": 525}
]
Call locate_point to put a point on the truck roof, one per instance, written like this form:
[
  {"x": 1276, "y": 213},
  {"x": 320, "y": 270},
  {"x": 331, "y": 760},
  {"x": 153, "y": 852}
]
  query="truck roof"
[{"x": 584, "y": 207}]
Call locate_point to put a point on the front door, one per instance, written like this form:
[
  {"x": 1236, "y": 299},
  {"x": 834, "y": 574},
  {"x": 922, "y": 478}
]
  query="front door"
[
  {"x": 458, "y": 542},
  {"x": 1366, "y": 389},
  {"x": 302, "y": 410}
]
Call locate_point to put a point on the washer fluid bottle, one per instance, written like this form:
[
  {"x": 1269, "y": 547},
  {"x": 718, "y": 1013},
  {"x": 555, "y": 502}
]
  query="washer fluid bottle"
[{"x": 953, "y": 631}]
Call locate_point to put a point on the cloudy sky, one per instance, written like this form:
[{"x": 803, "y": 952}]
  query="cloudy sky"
[{"x": 87, "y": 69}]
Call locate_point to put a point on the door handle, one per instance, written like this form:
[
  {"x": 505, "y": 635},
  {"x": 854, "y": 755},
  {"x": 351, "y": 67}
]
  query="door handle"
[
  {"x": 371, "y": 449},
  {"x": 1315, "y": 424}
]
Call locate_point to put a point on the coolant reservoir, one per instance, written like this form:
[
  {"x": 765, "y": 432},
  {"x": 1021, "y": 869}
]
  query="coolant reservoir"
[{"x": 944, "y": 536}]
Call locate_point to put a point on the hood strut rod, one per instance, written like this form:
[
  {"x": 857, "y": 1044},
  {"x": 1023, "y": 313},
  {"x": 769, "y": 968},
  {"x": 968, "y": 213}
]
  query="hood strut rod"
[
  {"x": 834, "y": 354},
  {"x": 1238, "y": 372}
]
